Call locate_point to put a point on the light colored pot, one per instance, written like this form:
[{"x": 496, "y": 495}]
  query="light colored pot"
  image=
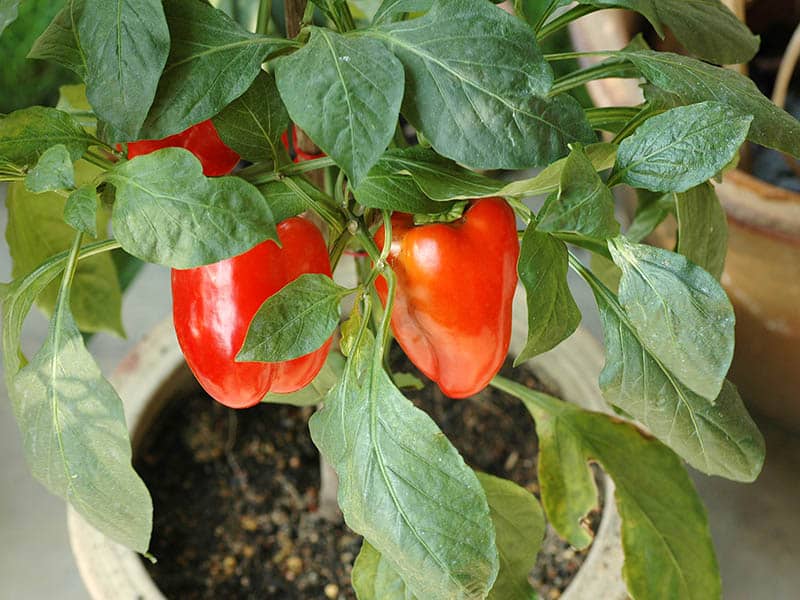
[
  {"x": 155, "y": 371},
  {"x": 762, "y": 270}
]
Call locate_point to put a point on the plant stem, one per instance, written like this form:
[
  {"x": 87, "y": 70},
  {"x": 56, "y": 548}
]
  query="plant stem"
[
  {"x": 98, "y": 160},
  {"x": 264, "y": 13},
  {"x": 634, "y": 124},
  {"x": 260, "y": 174},
  {"x": 578, "y": 78},
  {"x": 610, "y": 115},
  {"x": 573, "y": 55},
  {"x": 324, "y": 210},
  {"x": 545, "y": 15},
  {"x": 565, "y": 19},
  {"x": 71, "y": 267}
]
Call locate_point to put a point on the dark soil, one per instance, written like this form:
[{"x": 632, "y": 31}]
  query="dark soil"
[{"x": 235, "y": 495}]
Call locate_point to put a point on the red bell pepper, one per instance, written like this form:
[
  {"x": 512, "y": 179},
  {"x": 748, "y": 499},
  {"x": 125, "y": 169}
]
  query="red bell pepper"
[
  {"x": 213, "y": 305},
  {"x": 455, "y": 289},
  {"x": 202, "y": 140}
]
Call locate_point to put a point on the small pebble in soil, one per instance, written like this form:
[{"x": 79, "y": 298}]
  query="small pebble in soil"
[{"x": 235, "y": 495}]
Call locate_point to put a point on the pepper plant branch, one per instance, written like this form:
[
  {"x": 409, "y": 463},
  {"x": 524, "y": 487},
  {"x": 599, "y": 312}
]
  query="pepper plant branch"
[
  {"x": 565, "y": 19},
  {"x": 261, "y": 173},
  {"x": 545, "y": 15},
  {"x": 264, "y": 12},
  {"x": 324, "y": 210},
  {"x": 598, "y": 117},
  {"x": 71, "y": 267},
  {"x": 578, "y": 78}
]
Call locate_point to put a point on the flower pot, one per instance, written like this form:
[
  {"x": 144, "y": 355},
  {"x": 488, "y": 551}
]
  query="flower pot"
[
  {"x": 762, "y": 270},
  {"x": 155, "y": 370}
]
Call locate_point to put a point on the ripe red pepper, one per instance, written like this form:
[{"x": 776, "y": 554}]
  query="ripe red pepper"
[
  {"x": 455, "y": 289},
  {"x": 202, "y": 140},
  {"x": 213, "y": 305}
]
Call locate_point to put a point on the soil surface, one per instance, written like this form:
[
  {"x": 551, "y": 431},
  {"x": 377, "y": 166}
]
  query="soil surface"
[{"x": 235, "y": 495}]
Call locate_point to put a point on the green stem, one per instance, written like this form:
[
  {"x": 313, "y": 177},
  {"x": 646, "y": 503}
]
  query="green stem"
[
  {"x": 597, "y": 286},
  {"x": 598, "y": 117},
  {"x": 578, "y": 78},
  {"x": 98, "y": 160},
  {"x": 521, "y": 209},
  {"x": 339, "y": 244},
  {"x": 259, "y": 176},
  {"x": 72, "y": 266},
  {"x": 324, "y": 210},
  {"x": 565, "y": 19},
  {"x": 634, "y": 124},
  {"x": 573, "y": 55},
  {"x": 545, "y": 15},
  {"x": 264, "y": 13}
]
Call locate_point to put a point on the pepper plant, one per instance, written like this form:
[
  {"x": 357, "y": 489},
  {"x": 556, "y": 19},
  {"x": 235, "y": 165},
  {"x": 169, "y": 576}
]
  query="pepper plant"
[{"x": 415, "y": 107}]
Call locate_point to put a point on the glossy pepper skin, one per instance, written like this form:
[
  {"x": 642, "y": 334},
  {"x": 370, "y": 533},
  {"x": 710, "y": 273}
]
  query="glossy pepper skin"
[
  {"x": 213, "y": 305},
  {"x": 202, "y": 140},
  {"x": 455, "y": 289}
]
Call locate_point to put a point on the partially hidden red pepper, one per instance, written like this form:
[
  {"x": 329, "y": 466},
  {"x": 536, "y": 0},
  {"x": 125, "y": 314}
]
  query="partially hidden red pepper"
[
  {"x": 202, "y": 140},
  {"x": 299, "y": 155},
  {"x": 454, "y": 296},
  {"x": 214, "y": 304}
]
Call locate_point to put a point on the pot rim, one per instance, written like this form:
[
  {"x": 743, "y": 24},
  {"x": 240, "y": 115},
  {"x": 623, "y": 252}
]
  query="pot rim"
[
  {"x": 147, "y": 373},
  {"x": 750, "y": 202}
]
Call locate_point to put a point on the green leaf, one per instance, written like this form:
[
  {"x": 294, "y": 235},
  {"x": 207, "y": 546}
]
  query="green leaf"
[
  {"x": 253, "y": 123},
  {"x": 8, "y": 13},
  {"x": 212, "y": 61},
  {"x": 665, "y": 535},
  {"x": 36, "y": 231},
  {"x": 653, "y": 208},
  {"x": 584, "y": 203},
  {"x": 439, "y": 178},
  {"x": 771, "y": 127},
  {"x": 389, "y": 8},
  {"x": 374, "y": 578},
  {"x": 125, "y": 46},
  {"x": 602, "y": 156},
  {"x": 80, "y": 211},
  {"x": 681, "y": 314},
  {"x": 681, "y": 148},
  {"x": 552, "y": 313},
  {"x": 285, "y": 202},
  {"x": 345, "y": 93},
  {"x": 314, "y": 392},
  {"x": 167, "y": 212},
  {"x": 476, "y": 84},
  {"x": 702, "y": 228},
  {"x": 519, "y": 525},
  {"x": 75, "y": 437},
  {"x": 717, "y": 438},
  {"x": 25, "y": 135},
  {"x": 296, "y": 320},
  {"x": 386, "y": 188},
  {"x": 403, "y": 486},
  {"x": 60, "y": 42},
  {"x": 53, "y": 171},
  {"x": 728, "y": 42}
]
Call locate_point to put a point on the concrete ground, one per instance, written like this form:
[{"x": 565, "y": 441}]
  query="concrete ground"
[{"x": 755, "y": 527}]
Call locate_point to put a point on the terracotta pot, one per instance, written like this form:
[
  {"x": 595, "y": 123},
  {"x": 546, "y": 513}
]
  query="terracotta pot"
[
  {"x": 155, "y": 371},
  {"x": 762, "y": 271}
]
